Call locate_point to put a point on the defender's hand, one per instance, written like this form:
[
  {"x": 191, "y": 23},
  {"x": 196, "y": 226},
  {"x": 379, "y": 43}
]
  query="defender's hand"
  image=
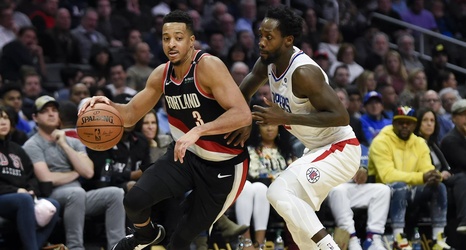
[{"x": 239, "y": 136}]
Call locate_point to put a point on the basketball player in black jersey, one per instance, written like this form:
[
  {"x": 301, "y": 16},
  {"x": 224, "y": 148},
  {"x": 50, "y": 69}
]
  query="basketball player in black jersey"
[{"x": 203, "y": 104}]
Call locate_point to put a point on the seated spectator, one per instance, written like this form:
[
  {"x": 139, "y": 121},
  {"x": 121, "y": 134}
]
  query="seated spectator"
[
  {"x": 433, "y": 68},
  {"x": 59, "y": 45},
  {"x": 270, "y": 153},
  {"x": 341, "y": 77},
  {"x": 24, "y": 51},
  {"x": 366, "y": 82},
  {"x": 87, "y": 34},
  {"x": 389, "y": 99},
  {"x": 62, "y": 160},
  {"x": 384, "y": 7},
  {"x": 448, "y": 96},
  {"x": 446, "y": 79},
  {"x": 140, "y": 71},
  {"x": 430, "y": 99},
  {"x": 119, "y": 80},
  {"x": 380, "y": 47},
  {"x": 405, "y": 44},
  {"x": 453, "y": 147},
  {"x": 374, "y": 120},
  {"x": 238, "y": 71},
  {"x": 18, "y": 187},
  {"x": 401, "y": 160},
  {"x": 331, "y": 41},
  {"x": 321, "y": 58},
  {"x": 113, "y": 27},
  {"x": 68, "y": 113},
  {"x": 417, "y": 83},
  {"x": 8, "y": 29},
  {"x": 355, "y": 123},
  {"x": 69, "y": 76},
  {"x": 357, "y": 193},
  {"x": 12, "y": 96},
  {"x": 346, "y": 55},
  {"x": 43, "y": 18},
  {"x": 100, "y": 61},
  {"x": 31, "y": 84},
  {"x": 78, "y": 92},
  {"x": 419, "y": 16},
  {"x": 394, "y": 72}
]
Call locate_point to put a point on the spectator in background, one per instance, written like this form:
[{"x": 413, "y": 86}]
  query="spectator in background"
[
  {"x": 445, "y": 24},
  {"x": 365, "y": 82},
  {"x": 341, "y": 77},
  {"x": 453, "y": 147},
  {"x": 384, "y": 7},
  {"x": 346, "y": 55},
  {"x": 374, "y": 120},
  {"x": 270, "y": 153},
  {"x": 446, "y": 79},
  {"x": 448, "y": 96},
  {"x": 18, "y": 188},
  {"x": 321, "y": 58},
  {"x": 227, "y": 26},
  {"x": 60, "y": 46},
  {"x": 314, "y": 28},
  {"x": 140, "y": 71},
  {"x": 357, "y": 193},
  {"x": 419, "y": 16},
  {"x": 20, "y": 19},
  {"x": 436, "y": 65},
  {"x": 213, "y": 21},
  {"x": 431, "y": 100},
  {"x": 417, "y": 83},
  {"x": 8, "y": 29},
  {"x": 330, "y": 41},
  {"x": 87, "y": 34},
  {"x": 69, "y": 76},
  {"x": 238, "y": 71},
  {"x": 199, "y": 30},
  {"x": 101, "y": 60},
  {"x": 354, "y": 122},
  {"x": 113, "y": 27},
  {"x": 68, "y": 113},
  {"x": 137, "y": 14},
  {"x": 246, "y": 40},
  {"x": 237, "y": 53},
  {"x": 118, "y": 81},
  {"x": 355, "y": 102},
  {"x": 44, "y": 17},
  {"x": 32, "y": 88},
  {"x": 62, "y": 160},
  {"x": 405, "y": 44},
  {"x": 248, "y": 16},
  {"x": 78, "y": 92},
  {"x": 158, "y": 142},
  {"x": 394, "y": 71},
  {"x": 402, "y": 160},
  {"x": 24, "y": 51},
  {"x": 380, "y": 48},
  {"x": 12, "y": 96},
  {"x": 389, "y": 98},
  {"x": 126, "y": 54},
  {"x": 216, "y": 45},
  {"x": 154, "y": 39}
]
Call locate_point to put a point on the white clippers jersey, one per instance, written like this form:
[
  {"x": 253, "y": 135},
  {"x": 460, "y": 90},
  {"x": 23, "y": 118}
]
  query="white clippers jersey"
[{"x": 282, "y": 94}]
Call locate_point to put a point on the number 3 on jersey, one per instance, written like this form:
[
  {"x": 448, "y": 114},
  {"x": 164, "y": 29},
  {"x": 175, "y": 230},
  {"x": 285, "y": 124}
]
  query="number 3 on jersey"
[{"x": 198, "y": 118}]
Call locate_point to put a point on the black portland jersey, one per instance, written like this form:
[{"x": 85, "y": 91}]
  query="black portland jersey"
[{"x": 189, "y": 106}]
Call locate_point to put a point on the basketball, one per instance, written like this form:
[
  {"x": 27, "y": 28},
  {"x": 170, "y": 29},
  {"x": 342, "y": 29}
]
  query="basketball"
[{"x": 100, "y": 127}]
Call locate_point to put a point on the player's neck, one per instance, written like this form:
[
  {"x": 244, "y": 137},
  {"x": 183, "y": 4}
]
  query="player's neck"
[
  {"x": 180, "y": 69},
  {"x": 283, "y": 61}
]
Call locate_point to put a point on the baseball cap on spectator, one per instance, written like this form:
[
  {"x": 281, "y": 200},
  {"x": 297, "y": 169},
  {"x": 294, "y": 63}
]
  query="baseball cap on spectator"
[
  {"x": 320, "y": 55},
  {"x": 40, "y": 103},
  {"x": 458, "y": 107},
  {"x": 439, "y": 49},
  {"x": 405, "y": 112},
  {"x": 372, "y": 95}
]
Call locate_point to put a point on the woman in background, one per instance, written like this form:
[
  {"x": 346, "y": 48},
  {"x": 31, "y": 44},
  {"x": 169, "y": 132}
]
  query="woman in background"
[
  {"x": 18, "y": 187},
  {"x": 270, "y": 153}
]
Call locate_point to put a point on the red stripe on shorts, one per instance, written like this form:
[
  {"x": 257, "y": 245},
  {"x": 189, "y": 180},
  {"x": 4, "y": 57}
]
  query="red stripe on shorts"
[{"x": 337, "y": 146}]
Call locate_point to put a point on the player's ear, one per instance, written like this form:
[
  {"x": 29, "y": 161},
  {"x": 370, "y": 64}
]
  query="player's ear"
[
  {"x": 289, "y": 41},
  {"x": 191, "y": 41}
]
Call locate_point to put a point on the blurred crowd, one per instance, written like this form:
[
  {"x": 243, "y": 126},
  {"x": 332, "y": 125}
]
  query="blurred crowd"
[{"x": 108, "y": 47}]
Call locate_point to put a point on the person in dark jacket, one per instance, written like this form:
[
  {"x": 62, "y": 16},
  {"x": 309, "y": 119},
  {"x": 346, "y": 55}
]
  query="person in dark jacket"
[{"x": 18, "y": 187}]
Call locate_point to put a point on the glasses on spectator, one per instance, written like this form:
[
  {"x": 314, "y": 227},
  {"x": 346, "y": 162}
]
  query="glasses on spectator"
[{"x": 431, "y": 100}]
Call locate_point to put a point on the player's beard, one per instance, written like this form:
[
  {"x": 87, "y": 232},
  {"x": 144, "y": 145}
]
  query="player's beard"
[{"x": 271, "y": 58}]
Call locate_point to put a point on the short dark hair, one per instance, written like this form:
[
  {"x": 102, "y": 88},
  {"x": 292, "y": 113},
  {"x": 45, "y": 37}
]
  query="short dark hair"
[
  {"x": 290, "y": 23},
  {"x": 179, "y": 16}
]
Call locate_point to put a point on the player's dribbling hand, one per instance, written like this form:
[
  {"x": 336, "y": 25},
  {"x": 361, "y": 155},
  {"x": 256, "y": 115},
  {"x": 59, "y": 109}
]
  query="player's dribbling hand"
[
  {"x": 239, "y": 136},
  {"x": 92, "y": 101},
  {"x": 183, "y": 143},
  {"x": 272, "y": 115}
]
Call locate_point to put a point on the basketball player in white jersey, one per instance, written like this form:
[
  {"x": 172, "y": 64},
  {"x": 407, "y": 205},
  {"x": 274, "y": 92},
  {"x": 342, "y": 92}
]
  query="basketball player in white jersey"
[{"x": 308, "y": 107}]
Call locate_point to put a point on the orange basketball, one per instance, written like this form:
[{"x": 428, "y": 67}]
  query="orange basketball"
[{"x": 100, "y": 127}]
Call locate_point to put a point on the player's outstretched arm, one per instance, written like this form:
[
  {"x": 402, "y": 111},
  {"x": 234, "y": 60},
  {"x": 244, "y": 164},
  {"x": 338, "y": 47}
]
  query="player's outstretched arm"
[{"x": 140, "y": 104}]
